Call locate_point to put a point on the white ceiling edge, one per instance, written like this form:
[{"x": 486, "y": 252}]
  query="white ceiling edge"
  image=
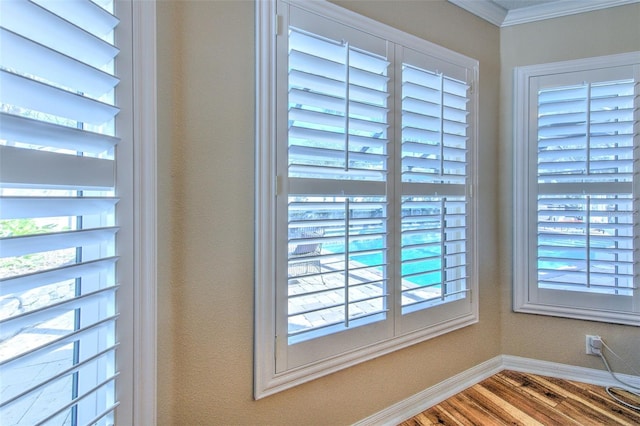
[{"x": 500, "y": 17}]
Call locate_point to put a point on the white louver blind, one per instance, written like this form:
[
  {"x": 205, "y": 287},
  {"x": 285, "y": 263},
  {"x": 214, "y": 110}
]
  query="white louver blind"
[
  {"x": 435, "y": 177},
  {"x": 586, "y": 198},
  {"x": 576, "y": 189},
  {"x": 337, "y": 173},
  {"x": 57, "y": 213}
]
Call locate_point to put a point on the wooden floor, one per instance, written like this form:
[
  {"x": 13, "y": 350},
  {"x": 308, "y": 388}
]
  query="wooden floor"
[{"x": 512, "y": 398}]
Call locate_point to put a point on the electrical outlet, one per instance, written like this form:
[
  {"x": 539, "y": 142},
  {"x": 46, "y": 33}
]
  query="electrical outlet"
[{"x": 593, "y": 344}]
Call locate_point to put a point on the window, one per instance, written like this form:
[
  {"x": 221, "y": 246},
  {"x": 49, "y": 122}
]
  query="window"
[
  {"x": 576, "y": 189},
  {"x": 71, "y": 267},
  {"x": 365, "y": 142}
]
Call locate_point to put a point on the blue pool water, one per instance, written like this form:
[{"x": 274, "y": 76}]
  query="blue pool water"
[{"x": 429, "y": 270}]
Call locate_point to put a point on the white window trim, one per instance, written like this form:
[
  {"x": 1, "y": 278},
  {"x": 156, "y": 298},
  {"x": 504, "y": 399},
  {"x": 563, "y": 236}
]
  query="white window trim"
[
  {"x": 523, "y": 187},
  {"x": 145, "y": 214},
  {"x": 266, "y": 380}
]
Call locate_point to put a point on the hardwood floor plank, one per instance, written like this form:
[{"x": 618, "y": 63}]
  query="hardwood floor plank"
[
  {"x": 459, "y": 413},
  {"x": 517, "y": 398},
  {"x": 533, "y": 386},
  {"x": 489, "y": 405},
  {"x": 596, "y": 398},
  {"x": 472, "y": 411},
  {"x": 588, "y": 415},
  {"x": 514, "y": 398},
  {"x": 441, "y": 416},
  {"x": 419, "y": 420}
]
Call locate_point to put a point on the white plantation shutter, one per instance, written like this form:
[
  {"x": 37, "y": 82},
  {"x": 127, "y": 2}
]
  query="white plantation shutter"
[
  {"x": 585, "y": 136},
  {"x": 336, "y": 180},
  {"x": 373, "y": 162},
  {"x": 58, "y": 254},
  {"x": 584, "y": 141},
  {"x": 435, "y": 162}
]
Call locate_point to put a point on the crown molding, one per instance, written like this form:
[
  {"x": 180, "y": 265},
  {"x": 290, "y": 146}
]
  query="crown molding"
[
  {"x": 485, "y": 9},
  {"x": 500, "y": 17},
  {"x": 558, "y": 9}
]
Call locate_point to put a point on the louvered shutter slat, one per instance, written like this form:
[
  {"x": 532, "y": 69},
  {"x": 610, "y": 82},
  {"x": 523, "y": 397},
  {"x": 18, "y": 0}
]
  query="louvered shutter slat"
[
  {"x": 22, "y": 283},
  {"x": 11, "y": 326},
  {"x": 421, "y": 93},
  {"x": 32, "y": 58},
  {"x": 619, "y": 114},
  {"x": 419, "y": 148},
  {"x": 367, "y": 95},
  {"x": 85, "y": 14},
  {"x": 23, "y": 167},
  {"x": 312, "y": 64},
  {"x": 415, "y": 135},
  {"x": 419, "y": 106},
  {"x": 568, "y": 141},
  {"x": 316, "y": 100},
  {"x": 305, "y": 136},
  {"x": 26, "y": 207},
  {"x": 19, "y": 246},
  {"x": 421, "y": 121},
  {"x": 371, "y": 144},
  {"x": 34, "y": 95},
  {"x": 299, "y": 78},
  {"x": 454, "y": 127},
  {"x": 455, "y": 115},
  {"x": 35, "y": 132},
  {"x": 455, "y": 101},
  {"x": 316, "y": 117},
  {"x": 38, "y": 350}
]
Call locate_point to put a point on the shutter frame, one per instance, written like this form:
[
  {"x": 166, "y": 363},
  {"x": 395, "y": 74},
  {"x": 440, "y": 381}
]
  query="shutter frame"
[{"x": 565, "y": 201}]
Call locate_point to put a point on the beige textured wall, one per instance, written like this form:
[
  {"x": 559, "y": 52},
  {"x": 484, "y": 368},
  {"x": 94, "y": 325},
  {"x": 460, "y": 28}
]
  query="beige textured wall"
[
  {"x": 615, "y": 30},
  {"x": 206, "y": 223}
]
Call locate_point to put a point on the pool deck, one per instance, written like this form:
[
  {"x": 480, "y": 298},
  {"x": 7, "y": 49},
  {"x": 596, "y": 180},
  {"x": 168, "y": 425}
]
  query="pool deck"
[{"x": 317, "y": 296}]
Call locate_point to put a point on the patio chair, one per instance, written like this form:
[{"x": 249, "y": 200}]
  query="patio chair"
[{"x": 310, "y": 250}]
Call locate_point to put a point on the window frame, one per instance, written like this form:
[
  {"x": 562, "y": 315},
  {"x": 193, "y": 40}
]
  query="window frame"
[
  {"x": 266, "y": 380},
  {"x": 137, "y": 385},
  {"x": 144, "y": 313},
  {"x": 525, "y": 290}
]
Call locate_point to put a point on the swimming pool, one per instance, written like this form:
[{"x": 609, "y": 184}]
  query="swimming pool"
[
  {"x": 425, "y": 272},
  {"x": 559, "y": 254}
]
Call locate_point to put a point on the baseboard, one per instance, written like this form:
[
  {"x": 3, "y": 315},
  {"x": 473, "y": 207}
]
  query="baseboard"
[
  {"x": 405, "y": 409},
  {"x": 421, "y": 401},
  {"x": 565, "y": 371}
]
